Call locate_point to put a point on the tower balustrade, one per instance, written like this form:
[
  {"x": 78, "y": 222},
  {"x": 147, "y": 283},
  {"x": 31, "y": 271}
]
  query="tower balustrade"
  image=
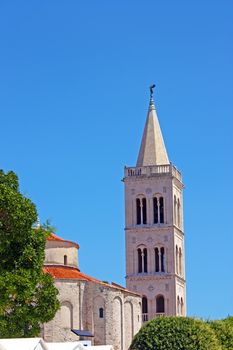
[{"x": 152, "y": 170}]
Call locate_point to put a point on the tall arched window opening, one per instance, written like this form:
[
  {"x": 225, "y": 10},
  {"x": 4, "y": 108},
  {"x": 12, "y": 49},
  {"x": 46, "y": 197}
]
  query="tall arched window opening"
[
  {"x": 160, "y": 260},
  {"x": 141, "y": 211},
  {"x": 161, "y": 210},
  {"x": 139, "y": 260},
  {"x": 178, "y": 305},
  {"x": 144, "y": 309},
  {"x": 142, "y": 260},
  {"x": 158, "y": 209},
  {"x": 160, "y": 304},
  {"x": 180, "y": 261},
  {"x": 177, "y": 270},
  {"x": 101, "y": 312},
  {"x": 156, "y": 259},
  {"x": 178, "y": 212},
  {"x": 145, "y": 259},
  {"x": 181, "y": 307},
  {"x": 156, "y": 213},
  {"x": 162, "y": 257},
  {"x": 138, "y": 208},
  {"x": 144, "y": 211},
  {"x": 65, "y": 259},
  {"x": 175, "y": 210}
]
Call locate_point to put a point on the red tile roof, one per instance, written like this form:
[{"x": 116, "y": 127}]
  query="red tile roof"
[
  {"x": 54, "y": 237},
  {"x": 68, "y": 272}
]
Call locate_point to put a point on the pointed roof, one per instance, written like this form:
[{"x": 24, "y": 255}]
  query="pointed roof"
[{"x": 152, "y": 150}]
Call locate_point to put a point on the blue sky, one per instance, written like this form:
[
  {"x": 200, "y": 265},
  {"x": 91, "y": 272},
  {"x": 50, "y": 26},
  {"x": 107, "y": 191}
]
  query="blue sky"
[{"x": 74, "y": 79}]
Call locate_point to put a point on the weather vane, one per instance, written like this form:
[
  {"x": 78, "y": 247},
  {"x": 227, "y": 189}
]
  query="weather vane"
[{"x": 151, "y": 90}]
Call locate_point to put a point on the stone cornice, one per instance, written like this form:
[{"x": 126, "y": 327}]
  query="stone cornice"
[
  {"x": 149, "y": 277},
  {"x": 149, "y": 228}
]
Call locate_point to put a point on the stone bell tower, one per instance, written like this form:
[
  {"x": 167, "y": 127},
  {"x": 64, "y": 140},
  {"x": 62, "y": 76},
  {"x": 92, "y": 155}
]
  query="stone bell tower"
[{"x": 154, "y": 231}]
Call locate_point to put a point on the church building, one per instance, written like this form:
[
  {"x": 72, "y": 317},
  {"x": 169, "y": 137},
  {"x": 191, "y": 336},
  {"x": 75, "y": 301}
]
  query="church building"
[
  {"x": 109, "y": 312},
  {"x": 154, "y": 231},
  {"x": 155, "y": 273}
]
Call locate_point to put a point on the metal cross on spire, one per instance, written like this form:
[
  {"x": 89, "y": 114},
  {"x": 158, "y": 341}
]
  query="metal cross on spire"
[{"x": 151, "y": 90}]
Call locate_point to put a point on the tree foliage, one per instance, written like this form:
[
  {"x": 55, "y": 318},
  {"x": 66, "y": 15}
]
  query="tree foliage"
[
  {"x": 224, "y": 332},
  {"x": 27, "y": 295},
  {"x": 175, "y": 333}
]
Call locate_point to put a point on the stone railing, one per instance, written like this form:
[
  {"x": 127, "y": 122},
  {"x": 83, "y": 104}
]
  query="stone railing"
[
  {"x": 144, "y": 317},
  {"x": 153, "y": 170}
]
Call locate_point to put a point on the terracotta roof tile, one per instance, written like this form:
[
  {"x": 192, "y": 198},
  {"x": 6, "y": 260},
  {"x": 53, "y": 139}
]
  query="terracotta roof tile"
[
  {"x": 54, "y": 237},
  {"x": 67, "y": 272}
]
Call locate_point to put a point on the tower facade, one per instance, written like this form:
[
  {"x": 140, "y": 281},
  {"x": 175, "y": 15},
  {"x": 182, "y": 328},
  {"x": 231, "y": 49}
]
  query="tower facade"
[{"x": 154, "y": 231}]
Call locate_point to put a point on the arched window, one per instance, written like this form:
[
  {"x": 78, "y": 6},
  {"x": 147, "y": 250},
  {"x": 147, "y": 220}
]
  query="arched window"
[
  {"x": 65, "y": 259},
  {"x": 161, "y": 210},
  {"x": 158, "y": 209},
  {"x": 139, "y": 260},
  {"x": 181, "y": 307},
  {"x": 144, "y": 309},
  {"x": 156, "y": 259},
  {"x": 156, "y": 213},
  {"x": 141, "y": 211},
  {"x": 178, "y": 305},
  {"x": 180, "y": 261},
  {"x": 177, "y": 268},
  {"x": 160, "y": 261},
  {"x": 145, "y": 259},
  {"x": 144, "y": 211},
  {"x": 142, "y": 260},
  {"x": 138, "y": 208},
  {"x": 162, "y": 257},
  {"x": 160, "y": 304},
  {"x": 101, "y": 312},
  {"x": 66, "y": 315},
  {"x": 175, "y": 210},
  {"x": 178, "y": 212}
]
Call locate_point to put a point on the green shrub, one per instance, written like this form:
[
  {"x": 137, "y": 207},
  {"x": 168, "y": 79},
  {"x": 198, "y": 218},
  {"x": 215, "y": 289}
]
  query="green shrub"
[
  {"x": 229, "y": 320},
  {"x": 175, "y": 333},
  {"x": 224, "y": 333}
]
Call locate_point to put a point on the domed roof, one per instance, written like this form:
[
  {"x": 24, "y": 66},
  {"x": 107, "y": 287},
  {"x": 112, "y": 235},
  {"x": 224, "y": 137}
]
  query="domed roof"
[{"x": 53, "y": 237}]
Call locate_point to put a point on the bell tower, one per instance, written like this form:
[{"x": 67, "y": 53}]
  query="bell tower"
[{"x": 154, "y": 231}]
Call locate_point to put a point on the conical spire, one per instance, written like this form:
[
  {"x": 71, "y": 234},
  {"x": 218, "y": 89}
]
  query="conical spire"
[{"x": 152, "y": 150}]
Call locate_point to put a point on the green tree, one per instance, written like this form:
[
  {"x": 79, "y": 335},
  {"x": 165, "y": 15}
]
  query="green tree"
[
  {"x": 224, "y": 332},
  {"x": 28, "y": 296},
  {"x": 229, "y": 320},
  {"x": 175, "y": 333}
]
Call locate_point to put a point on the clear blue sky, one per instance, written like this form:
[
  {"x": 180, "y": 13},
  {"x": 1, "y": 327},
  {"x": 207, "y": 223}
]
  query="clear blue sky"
[{"x": 74, "y": 79}]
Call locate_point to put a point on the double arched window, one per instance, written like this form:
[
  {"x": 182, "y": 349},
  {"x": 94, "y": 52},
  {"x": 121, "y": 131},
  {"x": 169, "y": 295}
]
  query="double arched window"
[
  {"x": 160, "y": 261},
  {"x": 141, "y": 211},
  {"x": 142, "y": 260},
  {"x": 158, "y": 207},
  {"x": 160, "y": 305}
]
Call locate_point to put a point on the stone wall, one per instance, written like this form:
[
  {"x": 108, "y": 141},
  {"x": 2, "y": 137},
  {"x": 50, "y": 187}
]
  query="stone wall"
[
  {"x": 56, "y": 251},
  {"x": 112, "y": 314}
]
